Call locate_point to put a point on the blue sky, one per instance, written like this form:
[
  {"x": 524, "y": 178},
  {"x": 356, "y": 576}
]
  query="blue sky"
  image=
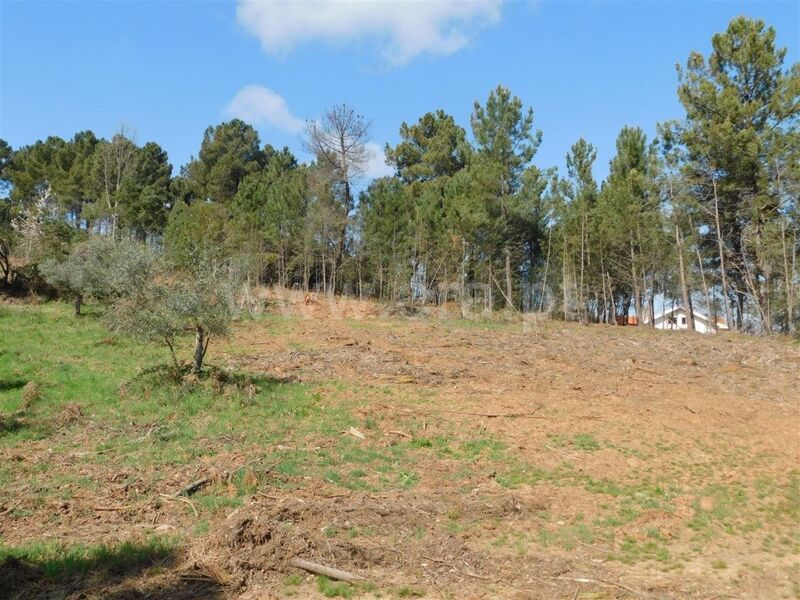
[{"x": 169, "y": 69}]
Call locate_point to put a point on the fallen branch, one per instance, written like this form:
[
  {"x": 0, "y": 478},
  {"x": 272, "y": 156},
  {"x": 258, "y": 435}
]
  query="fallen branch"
[
  {"x": 400, "y": 433},
  {"x": 651, "y": 371},
  {"x": 330, "y": 572},
  {"x": 196, "y": 485},
  {"x": 192, "y": 487},
  {"x": 355, "y": 433}
]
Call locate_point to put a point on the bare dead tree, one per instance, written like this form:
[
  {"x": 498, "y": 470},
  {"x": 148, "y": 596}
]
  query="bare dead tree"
[
  {"x": 117, "y": 159},
  {"x": 339, "y": 143}
]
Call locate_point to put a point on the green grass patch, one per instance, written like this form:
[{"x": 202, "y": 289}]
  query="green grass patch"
[
  {"x": 719, "y": 506},
  {"x": 566, "y": 537},
  {"x": 586, "y": 442},
  {"x": 58, "y": 562},
  {"x": 335, "y": 589},
  {"x": 632, "y": 551},
  {"x": 487, "y": 449}
]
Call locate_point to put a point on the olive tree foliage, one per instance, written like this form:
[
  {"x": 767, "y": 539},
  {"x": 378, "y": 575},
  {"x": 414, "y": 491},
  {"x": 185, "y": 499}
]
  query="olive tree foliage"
[
  {"x": 148, "y": 295},
  {"x": 101, "y": 268},
  {"x": 175, "y": 302}
]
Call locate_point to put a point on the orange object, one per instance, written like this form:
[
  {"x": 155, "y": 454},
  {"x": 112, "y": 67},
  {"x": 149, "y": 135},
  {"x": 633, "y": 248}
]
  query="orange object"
[{"x": 633, "y": 321}]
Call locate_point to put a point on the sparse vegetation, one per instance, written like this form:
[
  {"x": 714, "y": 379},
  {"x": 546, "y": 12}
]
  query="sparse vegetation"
[{"x": 284, "y": 438}]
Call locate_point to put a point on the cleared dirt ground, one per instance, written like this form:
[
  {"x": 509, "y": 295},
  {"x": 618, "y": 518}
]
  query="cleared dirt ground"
[{"x": 528, "y": 459}]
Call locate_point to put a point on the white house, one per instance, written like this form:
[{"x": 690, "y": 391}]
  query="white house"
[{"x": 678, "y": 318}]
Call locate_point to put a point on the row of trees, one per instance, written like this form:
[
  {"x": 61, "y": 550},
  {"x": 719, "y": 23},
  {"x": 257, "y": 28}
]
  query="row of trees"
[{"x": 704, "y": 215}]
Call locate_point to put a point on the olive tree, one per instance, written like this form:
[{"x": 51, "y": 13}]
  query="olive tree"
[
  {"x": 198, "y": 301},
  {"x": 101, "y": 268}
]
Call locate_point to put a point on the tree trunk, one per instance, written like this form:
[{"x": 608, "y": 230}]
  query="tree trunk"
[
  {"x": 546, "y": 269},
  {"x": 200, "y": 347},
  {"x": 564, "y": 276},
  {"x": 339, "y": 257},
  {"x": 687, "y": 297},
  {"x": 332, "y": 282},
  {"x": 605, "y": 296},
  {"x": 306, "y": 272},
  {"x": 490, "y": 290},
  {"x": 637, "y": 298},
  {"x": 509, "y": 283},
  {"x": 580, "y": 293},
  {"x": 788, "y": 278},
  {"x": 78, "y": 304},
  {"x": 462, "y": 283},
  {"x": 712, "y": 311},
  {"x": 720, "y": 245},
  {"x": 578, "y": 308},
  {"x": 324, "y": 274},
  {"x": 739, "y": 311},
  {"x": 608, "y": 293},
  {"x": 4, "y": 262},
  {"x": 763, "y": 277}
]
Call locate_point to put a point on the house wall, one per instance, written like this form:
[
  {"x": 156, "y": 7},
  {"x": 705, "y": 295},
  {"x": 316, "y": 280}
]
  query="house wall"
[
  {"x": 667, "y": 324},
  {"x": 681, "y": 323},
  {"x": 701, "y": 326}
]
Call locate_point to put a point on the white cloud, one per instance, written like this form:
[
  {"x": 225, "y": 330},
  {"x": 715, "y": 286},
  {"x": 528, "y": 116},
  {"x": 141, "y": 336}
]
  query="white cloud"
[
  {"x": 261, "y": 106},
  {"x": 377, "y": 167},
  {"x": 403, "y": 29}
]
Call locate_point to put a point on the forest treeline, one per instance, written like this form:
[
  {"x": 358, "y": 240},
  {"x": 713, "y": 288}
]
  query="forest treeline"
[{"x": 705, "y": 215}]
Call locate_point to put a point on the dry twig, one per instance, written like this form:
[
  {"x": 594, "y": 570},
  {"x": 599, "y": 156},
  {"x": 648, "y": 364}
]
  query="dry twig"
[{"x": 400, "y": 433}]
